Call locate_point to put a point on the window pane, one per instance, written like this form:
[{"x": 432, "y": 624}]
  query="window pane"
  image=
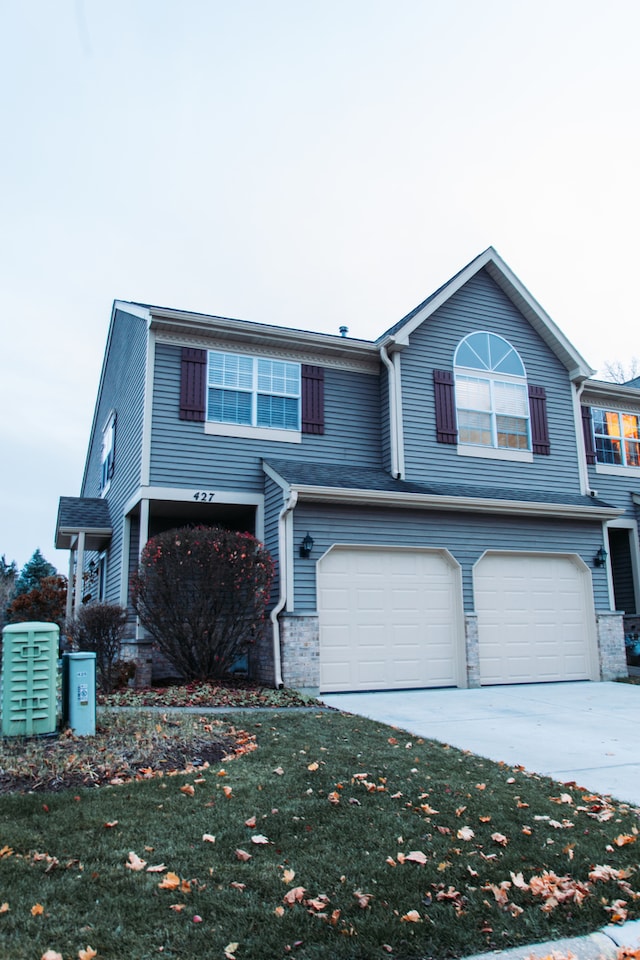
[
  {"x": 608, "y": 450},
  {"x": 275, "y": 376},
  {"x": 632, "y": 451},
  {"x": 229, "y": 406},
  {"x": 630, "y": 426},
  {"x": 278, "y": 412},
  {"x": 474, "y": 428},
  {"x": 513, "y": 433},
  {"x": 473, "y": 393},
  {"x": 230, "y": 370},
  {"x": 510, "y": 398}
]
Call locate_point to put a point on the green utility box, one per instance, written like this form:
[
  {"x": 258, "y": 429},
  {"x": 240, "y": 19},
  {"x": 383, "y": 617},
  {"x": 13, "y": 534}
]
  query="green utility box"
[
  {"x": 79, "y": 692},
  {"x": 29, "y": 678}
]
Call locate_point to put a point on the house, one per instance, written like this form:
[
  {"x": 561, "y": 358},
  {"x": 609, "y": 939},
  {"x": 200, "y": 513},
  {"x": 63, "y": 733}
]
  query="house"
[{"x": 451, "y": 504}]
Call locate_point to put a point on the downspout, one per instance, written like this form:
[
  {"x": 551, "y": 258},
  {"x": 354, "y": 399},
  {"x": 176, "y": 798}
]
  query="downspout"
[
  {"x": 393, "y": 416},
  {"x": 583, "y": 471},
  {"x": 284, "y": 566}
]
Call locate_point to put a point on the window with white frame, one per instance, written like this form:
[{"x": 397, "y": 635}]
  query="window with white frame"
[
  {"x": 253, "y": 391},
  {"x": 107, "y": 456},
  {"x": 617, "y": 437},
  {"x": 492, "y": 404}
]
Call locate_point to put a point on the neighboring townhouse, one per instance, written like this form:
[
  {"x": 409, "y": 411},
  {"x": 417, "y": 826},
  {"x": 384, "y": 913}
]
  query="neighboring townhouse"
[{"x": 450, "y": 505}]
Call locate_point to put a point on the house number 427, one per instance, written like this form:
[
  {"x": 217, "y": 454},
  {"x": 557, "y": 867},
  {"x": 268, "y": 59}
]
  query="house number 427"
[{"x": 204, "y": 496}]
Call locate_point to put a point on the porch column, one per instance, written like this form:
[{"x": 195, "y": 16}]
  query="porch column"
[
  {"x": 69, "y": 607},
  {"x": 77, "y": 600}
]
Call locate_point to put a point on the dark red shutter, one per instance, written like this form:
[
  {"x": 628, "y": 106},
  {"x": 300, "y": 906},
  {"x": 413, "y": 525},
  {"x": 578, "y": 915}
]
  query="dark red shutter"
[
  {"x": 587, "y": 430},
  {"x": 446, "y": 424},
  {"x": 539, "y": 421},
  {"x": 312, "y": 385},
  {"x": 192, "y": 384}
]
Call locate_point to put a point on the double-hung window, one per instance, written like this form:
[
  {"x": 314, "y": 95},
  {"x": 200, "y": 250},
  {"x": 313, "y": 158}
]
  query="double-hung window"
[
  {"x": 253, "y": 391},
  {"x": 617, "y": 437},
  {"x": 492, "y": 405},
  {"x": 107, "y": 456}
]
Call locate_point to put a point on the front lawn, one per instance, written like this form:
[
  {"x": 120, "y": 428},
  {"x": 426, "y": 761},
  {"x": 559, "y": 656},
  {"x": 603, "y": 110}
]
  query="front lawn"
[{"x": 335, "y": 837}]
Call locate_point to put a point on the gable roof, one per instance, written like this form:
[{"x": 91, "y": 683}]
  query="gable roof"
[
  {"x": 88, "y": 515},
  {"x": 494, "y": 265},
  {"x": 352, "y": 484}
]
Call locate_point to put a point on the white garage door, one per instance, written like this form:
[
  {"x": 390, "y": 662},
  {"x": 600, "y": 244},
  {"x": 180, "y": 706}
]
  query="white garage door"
[
  {"x": 535, "y": 618},
  {"x": 389, "y": 619}
]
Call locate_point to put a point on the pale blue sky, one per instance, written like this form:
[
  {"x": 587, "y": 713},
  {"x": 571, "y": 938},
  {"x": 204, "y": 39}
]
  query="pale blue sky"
[{"x": 309, "y": 164}]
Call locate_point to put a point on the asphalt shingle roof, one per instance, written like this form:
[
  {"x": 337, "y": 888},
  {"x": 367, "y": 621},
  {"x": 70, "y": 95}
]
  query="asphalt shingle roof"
[{"x": 370, "y": 478}]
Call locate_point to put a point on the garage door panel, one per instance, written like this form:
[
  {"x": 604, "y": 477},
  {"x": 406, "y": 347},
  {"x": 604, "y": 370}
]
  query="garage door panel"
[
  {"x": 400, "y": 612},
  {"x": 535, "y": 617}
]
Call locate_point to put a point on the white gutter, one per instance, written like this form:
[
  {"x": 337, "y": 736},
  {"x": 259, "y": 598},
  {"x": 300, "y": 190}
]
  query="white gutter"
[
  {"x": 284, "y": 567},
  {"x": 434, "y": 501},
  {"x": 393, "y": 412}
]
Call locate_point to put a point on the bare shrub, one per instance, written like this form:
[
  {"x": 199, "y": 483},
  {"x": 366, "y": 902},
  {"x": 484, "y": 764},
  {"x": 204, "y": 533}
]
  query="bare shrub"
[{"x": 99, "y": 628}]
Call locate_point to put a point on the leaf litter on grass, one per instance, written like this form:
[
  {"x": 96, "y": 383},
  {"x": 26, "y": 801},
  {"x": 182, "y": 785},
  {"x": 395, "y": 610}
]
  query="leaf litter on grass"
[{"x": 389, "y": 869}]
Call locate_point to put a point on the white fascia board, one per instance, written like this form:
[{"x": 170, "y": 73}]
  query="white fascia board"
[
  {"x": 135, "y": 309},
  {"x": 186, "y": 495},
  {"x": 540, "y": 320},
  {"x": 280, "y": 481},
  {"x": 606, "y": 391},
  {"x": 380, "y": 498},
  {"x": 343, "y": 349}
]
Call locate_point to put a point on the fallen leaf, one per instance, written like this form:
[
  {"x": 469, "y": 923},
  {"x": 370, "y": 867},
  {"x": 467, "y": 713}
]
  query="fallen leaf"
[
  {"x": 188, "y": 789},
  {"x": 279, "y": 911},
  {"x": 279, "y": 771},
  {"x": 623, "y": 839},
  {"x": 288, "y": 876},
  {"x": 251, "y": 822},
  {"x": 178, "y": 907},
  {"x": 111, "y": 823},
  {"x": 51, "y": 955},
  {"x": 228, "y": 792},
  {"x": 197, "y": 918},
  {"x": 465, "y": 833},
  {"x": 87, "y": 954},
  {"x": 412, "y": 917},
  {"x": 208, "y": 838},
  {"x": 313, "y": 766},
  {"x": 243, "y": 855},
  {"x": 170, "y": 882},
  {"x": 37, "y": 909},
  {"x": 294, "y": 895},
  {"x": 230, "y": 950},
  {"x": 260, "y": 839},
  {"x": 499, "y": 838},
  {"x": 135, "y": 862},
  {"x": 4, "y": 908},
  {"x": 362, "y": 898},
  {"x": 238, "y": 886},
  {"x": 158, "y": 868},
  {"x": 416, "y": 856},
  {"x": 334, "y": 798}
]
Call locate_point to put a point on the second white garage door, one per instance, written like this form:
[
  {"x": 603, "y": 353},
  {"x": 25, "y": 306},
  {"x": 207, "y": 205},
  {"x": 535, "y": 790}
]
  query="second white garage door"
[
  {"x": 389, "y": 619},
  {"x": 535, "y": 618}
]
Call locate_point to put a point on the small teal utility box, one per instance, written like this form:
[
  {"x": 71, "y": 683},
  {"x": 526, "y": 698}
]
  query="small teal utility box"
[
  {"x": 29, "y": 678},
  {"x": 79, "y": 692}
]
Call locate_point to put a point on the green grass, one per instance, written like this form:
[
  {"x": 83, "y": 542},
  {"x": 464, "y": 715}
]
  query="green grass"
[{"x": 69, "y": 850}]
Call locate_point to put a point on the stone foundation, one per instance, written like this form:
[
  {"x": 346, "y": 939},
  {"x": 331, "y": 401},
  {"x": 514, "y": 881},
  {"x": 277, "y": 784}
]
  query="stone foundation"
[
  {"x": 300, "y": 651},
  {"x": 139, "y": 652},
  {"x": 611, "y": 649}
]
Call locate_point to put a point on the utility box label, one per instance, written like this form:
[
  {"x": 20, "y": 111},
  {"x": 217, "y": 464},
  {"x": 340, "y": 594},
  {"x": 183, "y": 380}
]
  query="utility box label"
[{"x": 83, "y": 694}]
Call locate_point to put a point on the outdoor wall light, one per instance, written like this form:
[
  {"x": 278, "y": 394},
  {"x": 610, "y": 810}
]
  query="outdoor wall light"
[
  {"x": 306, "y": 546},
  {"x": 600, "y": 558}
]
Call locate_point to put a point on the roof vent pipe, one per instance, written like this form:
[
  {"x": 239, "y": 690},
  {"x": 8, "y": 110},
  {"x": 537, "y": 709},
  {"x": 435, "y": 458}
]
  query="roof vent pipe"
[{"x": 344, "y": 331}]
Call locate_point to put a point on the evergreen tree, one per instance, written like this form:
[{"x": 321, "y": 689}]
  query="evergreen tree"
[
  {"x": 33, "y": 572},
  {"x": 8, "y": 577}
]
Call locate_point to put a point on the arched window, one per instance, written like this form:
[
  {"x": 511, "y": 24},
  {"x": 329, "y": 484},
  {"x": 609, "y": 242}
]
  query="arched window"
[{"x": 492, "y": 403}]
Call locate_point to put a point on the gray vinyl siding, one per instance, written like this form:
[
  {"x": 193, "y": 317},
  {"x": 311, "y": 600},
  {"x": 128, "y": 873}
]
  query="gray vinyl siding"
[
  {"x": 273, "y": 503},
  {"x": 481, "y": 305},
  {"x": 182, "y": 455},
  {"x": 122, "y": 391},
  {"x": 465, "y": 535}
]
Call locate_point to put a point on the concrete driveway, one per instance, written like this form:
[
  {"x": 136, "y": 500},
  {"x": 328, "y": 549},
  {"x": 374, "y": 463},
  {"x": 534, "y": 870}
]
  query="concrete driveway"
[{"x": 583, "y": 732}]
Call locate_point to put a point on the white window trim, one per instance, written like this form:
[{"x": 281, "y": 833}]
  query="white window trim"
[
  {"x": 108, "y": 430},
  {"x": 494, "y": 453},
  {"x": 254, "y": 429},
  {"x": 617, "y": 470},
  {"x": 246, "y": 432}
]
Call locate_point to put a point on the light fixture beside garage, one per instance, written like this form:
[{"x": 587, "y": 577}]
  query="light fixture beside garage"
[
  {"x": 306, "y": 546},
  {"x": 600, "y": 558}
]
